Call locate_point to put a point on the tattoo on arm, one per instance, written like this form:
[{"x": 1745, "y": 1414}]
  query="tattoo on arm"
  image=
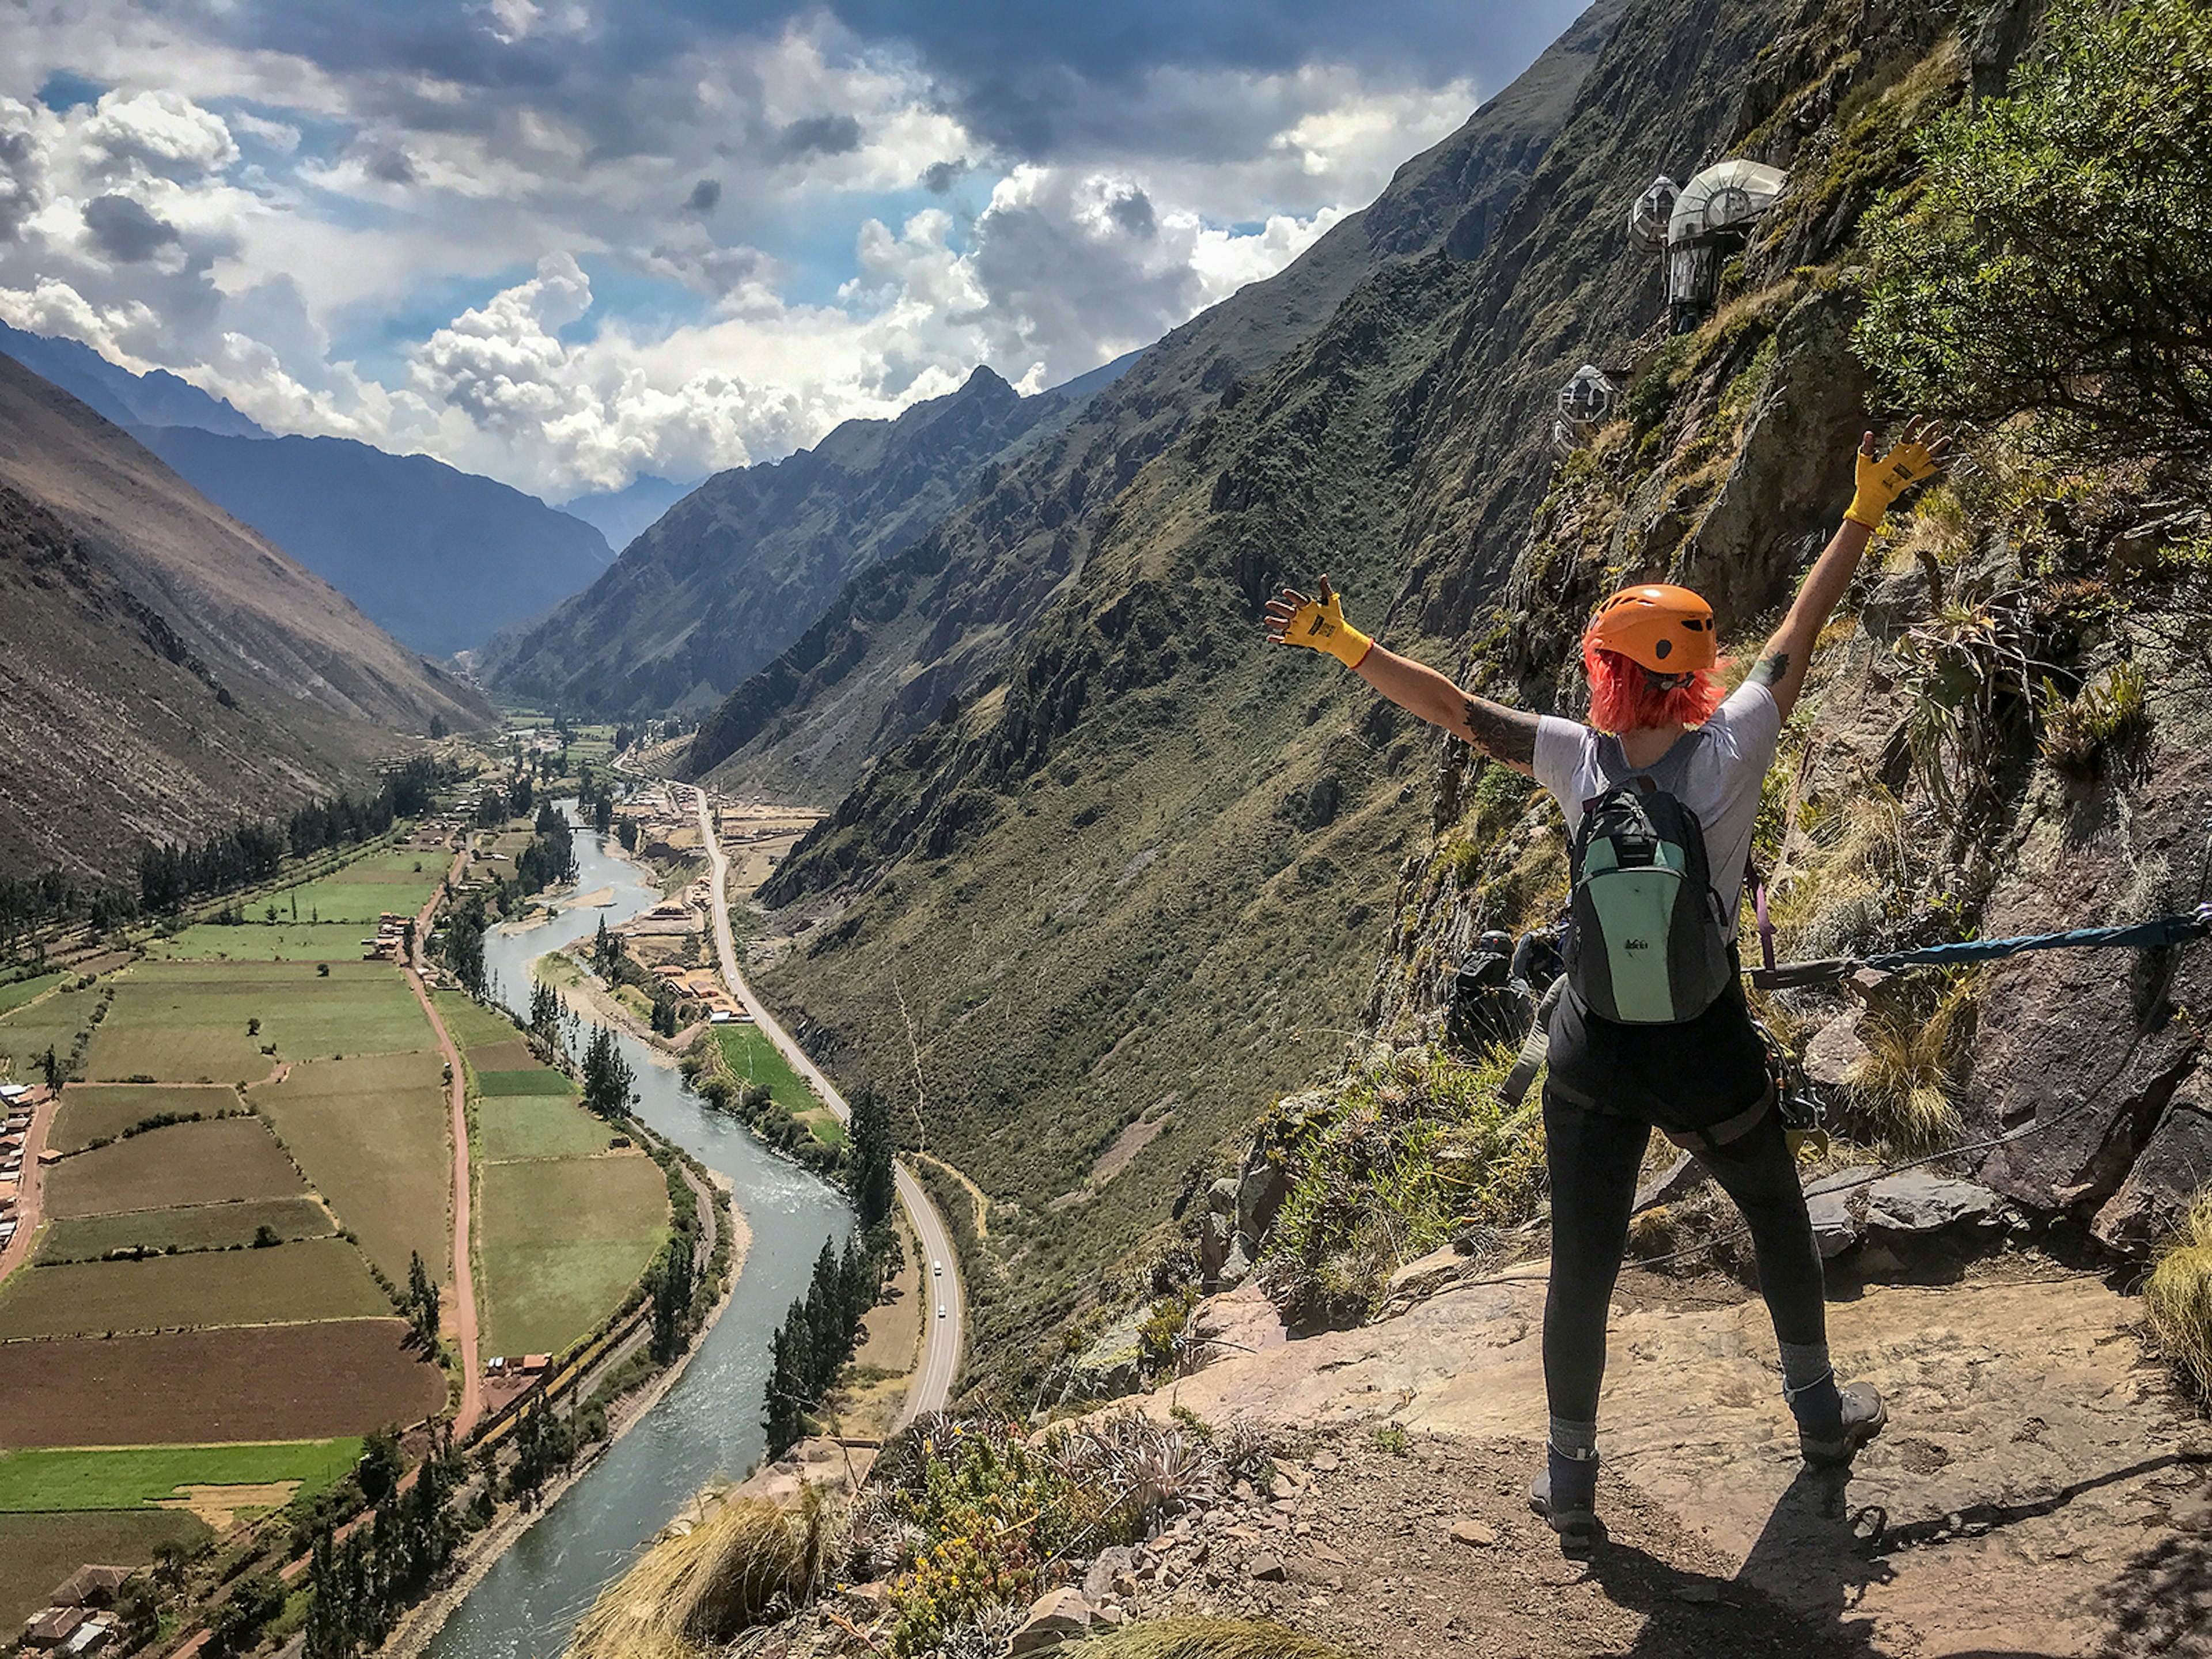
[
  {"x": 1502, "y": 733},
  {"x": 1770, "y": 670}
]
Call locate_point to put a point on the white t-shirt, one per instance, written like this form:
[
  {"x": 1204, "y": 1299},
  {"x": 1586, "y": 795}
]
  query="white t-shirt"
[{"x": 1721, "y": 784}]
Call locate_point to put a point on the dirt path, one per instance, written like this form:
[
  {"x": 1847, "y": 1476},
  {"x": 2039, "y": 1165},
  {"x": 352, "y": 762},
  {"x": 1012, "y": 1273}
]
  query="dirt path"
[
  {"x": 2041, "y": 1489},
  {"x": 30, "y": 1188},
  {"x": 464, "y": 1289}
]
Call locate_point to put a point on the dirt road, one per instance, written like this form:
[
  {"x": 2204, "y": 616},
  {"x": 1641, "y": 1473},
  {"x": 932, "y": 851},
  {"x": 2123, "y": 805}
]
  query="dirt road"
[{"x": 464, "y": 1303}]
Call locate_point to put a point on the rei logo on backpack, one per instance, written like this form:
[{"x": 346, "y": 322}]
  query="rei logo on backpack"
[{"x": 1647, "y": 944}]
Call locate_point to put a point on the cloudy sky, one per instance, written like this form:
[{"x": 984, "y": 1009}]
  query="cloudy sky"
[{"x": 565, "y": 242}]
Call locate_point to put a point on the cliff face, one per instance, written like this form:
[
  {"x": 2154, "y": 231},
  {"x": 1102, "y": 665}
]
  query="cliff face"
[
  {"x": 938, "y": 621},
  {"x": 1129, "y": 892}
]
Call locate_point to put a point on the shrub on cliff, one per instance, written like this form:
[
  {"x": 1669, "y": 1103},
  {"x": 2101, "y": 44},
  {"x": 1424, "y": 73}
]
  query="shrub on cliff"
[{"x": 2055, "y": 257}]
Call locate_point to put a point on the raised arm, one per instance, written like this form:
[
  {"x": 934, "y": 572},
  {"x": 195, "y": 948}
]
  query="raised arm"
[
  {"x": 1507, "y": 735},
  {"x": 1918, "y": 457}
]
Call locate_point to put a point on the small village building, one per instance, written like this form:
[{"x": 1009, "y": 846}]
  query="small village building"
[{"x": 90, "y": 1586}]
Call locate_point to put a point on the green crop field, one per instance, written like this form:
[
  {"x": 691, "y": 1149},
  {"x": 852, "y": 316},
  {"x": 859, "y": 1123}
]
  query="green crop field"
[
  {"x": 320, "y": 1279},
  {"x": 29, "y": 1032},
  {"x": 141, "y": 1477},
  {"x": 752, "y": 1057},
  {"x": 185, "y": 1021},
  {"x": 15, "y": 994},
  {"x": 204, "y": 1163},
  {"x": 536, "y": 1125},
  {"x": 37, "y": 1551},
  {"x": 91, "y": 1111},
  {"x": 469, "y": 1023},
  {"x": 192, "y": 1227},
  {"x": 254, "y": 941},
  {"x": 539, "y": 1080},
  {"x": 562, "y": 1241},
  {"x": 363, "y": 889},
  {"x": 373, "y": 1135}
]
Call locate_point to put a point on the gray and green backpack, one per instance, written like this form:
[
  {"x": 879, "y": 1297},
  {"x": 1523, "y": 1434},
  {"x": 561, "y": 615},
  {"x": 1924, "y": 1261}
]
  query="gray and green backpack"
[{"x": 1647, "y": 943}]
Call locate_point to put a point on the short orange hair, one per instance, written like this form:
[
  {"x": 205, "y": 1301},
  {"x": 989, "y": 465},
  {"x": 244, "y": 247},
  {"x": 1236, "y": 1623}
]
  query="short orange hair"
[{"x": 1626, "y": 696}]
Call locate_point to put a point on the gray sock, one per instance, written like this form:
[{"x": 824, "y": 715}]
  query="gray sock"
[
  {"x": 1803, "y": 1365},
  {"x": 1575, "y": 1440}
]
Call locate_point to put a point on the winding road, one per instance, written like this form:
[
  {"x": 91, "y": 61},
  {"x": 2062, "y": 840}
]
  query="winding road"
[{"x": 939, "y": 1366}]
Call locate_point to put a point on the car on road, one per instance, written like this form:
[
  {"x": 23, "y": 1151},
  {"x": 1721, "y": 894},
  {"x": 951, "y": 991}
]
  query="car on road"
[
  {"x": 936, "y": 1267},
  {"x": 940, "y": 1310}
]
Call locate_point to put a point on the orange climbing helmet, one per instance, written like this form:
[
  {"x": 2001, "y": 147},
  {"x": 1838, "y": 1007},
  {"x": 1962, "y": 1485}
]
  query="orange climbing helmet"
[{"x": 1669, "y": 630}]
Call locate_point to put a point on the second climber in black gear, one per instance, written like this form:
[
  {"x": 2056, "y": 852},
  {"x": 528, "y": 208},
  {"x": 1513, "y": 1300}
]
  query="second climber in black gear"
[{"x": 1658, "y": 708}]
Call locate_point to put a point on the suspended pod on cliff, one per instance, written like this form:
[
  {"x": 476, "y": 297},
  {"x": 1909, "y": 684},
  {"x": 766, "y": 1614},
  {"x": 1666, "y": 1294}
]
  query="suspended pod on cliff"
[
  {"x": 1589, "y": 398},
  {"x": 1649, "y": 214},
  {"x": 1712, "y": 218}
]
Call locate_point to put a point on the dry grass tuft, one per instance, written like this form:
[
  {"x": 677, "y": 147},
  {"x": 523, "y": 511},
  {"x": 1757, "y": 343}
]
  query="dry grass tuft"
[
  {"x": 2178, "y": 1295},
  {"x": 1206, "y": 1638},
  {"x": 1903, "y": 1087},
  {"x": 749, "y": 1561}
]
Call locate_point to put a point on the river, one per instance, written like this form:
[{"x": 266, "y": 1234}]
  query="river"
[{"x": 709, "y": 1424}]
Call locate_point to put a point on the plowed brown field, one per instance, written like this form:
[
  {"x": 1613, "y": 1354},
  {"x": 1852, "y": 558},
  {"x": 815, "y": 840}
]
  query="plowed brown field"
[
  {"x": 260, "y": 1382},
  {"x": 233, "y": 1157}
]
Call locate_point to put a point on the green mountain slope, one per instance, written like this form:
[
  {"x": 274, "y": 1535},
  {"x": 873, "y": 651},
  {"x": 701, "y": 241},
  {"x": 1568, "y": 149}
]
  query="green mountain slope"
[{"x": 936, "y": 621}]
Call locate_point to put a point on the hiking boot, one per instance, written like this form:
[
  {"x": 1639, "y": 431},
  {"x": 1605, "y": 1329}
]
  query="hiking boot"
[
  {"x": 1565, "y": 1495},
  {"x": 1830, "y": 1434}
]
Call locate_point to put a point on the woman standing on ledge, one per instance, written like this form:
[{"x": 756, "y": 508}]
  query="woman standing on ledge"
[{"x": 1660, "y": 792}]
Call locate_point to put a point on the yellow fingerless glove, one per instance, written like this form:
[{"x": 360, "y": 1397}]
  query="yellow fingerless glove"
[
  {"x": 1320, "y": 624},
  {"x": 1882, "y": 479}
]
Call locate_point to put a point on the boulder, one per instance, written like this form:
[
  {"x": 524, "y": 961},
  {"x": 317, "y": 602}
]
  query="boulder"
[
  {"x": 1832, "y": 1057},
  {"x": 1261, "y": 1190},
  {"x": 1060, "y": 1616},
  {"x": 2173, "y": 1166},
  {"x": 1476, "y": 1534},
  {"x": 1112, "y": 1365},
  {"x": 1670, "y": 1184},
  {"x": 1424, "y": 1276},
  {"x": 1242, "y": 1321},
  {"x": 1916, "y": 1204},
  {"x": 1266, "y": 1568},
  {"x": 1835, "y": 1229},
  {"x": 1114, "y": 1562}
]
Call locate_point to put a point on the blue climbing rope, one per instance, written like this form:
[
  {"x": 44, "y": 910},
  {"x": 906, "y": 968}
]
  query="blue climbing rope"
[{"x": 2160, "y": 933}]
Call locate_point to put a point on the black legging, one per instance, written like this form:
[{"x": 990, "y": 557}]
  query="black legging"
[{"x": 1595, "y": 1158}]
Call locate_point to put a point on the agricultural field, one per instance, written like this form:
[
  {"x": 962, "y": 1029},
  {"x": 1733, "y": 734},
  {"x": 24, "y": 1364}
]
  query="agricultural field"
[
  {"x": 373, "y": 1135},
  {"x": 148, "y": 1477},
  {"x": 37, "y": 1551},
  {"x": 27, "y": 1031},
  {"x": 751, "y": 1058},
  {"x": 208, "y": 941},
  {"x": 204, "y": 1162},
  {"x": 471, "y": 1024},
  {"x": 187, "y": 1022},
  {"x": 513, "y": 1127},
  {"x": 562, "y": 1241},
  {"x": 93, "y": 1112},
  {"x": 397, "y": 879},
  {"x": 194, "y": 1227},
  {"x": 312, "y": 1382},
  {"x": 16, "y": 993},
  {"x": 537, "y": 1080},
  {"x": 315, "y": 1279}
]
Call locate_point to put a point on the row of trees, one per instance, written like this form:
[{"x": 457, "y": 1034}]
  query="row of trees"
[
  {"x": 420, "y": 1306},
  {"x": 818, "y": 1335},
  {"x": 609, "y": 1082},
  {"x": 551, "y": 858},
  {"x": 360, "y": 1587}
]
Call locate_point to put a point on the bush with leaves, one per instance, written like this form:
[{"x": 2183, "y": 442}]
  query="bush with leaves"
[{"x": 2057, "y": 255}]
